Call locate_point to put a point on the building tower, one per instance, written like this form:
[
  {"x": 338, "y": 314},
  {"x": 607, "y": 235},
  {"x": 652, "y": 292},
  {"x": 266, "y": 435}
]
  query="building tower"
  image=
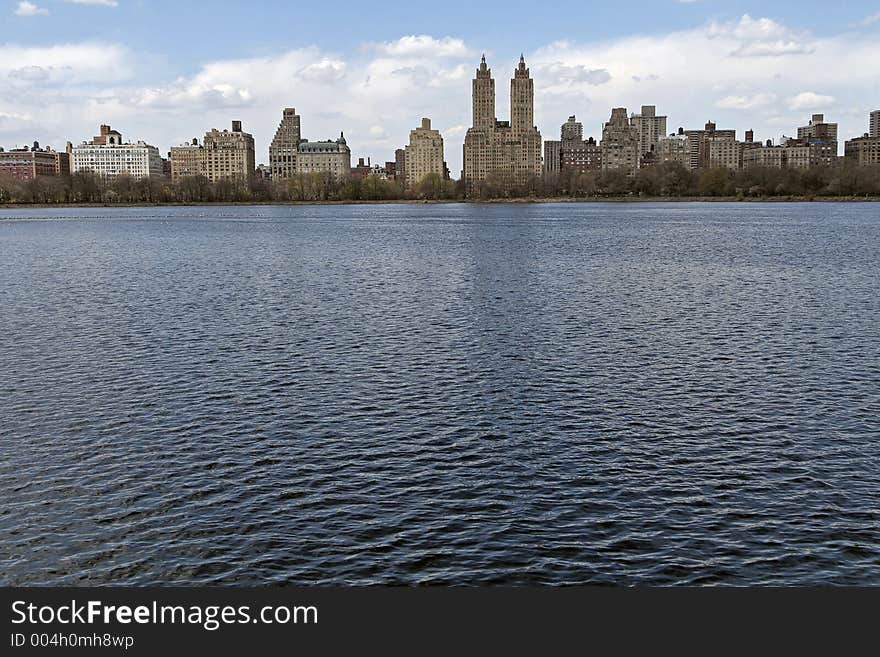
[
  {"x": 424, "y": 154},
  {"x": 508, "y": 152},
  {"x": 522, "y": 100},
  {"x": 874, "y": 130},
  {"x": 620, "y": 143},
  {"x": 572, "y": 130},
  {"x": 650, "y": 128},
  {"x": 484, "y": 98},
  {"x": 283, "y": 150},
  {"x": 229, "y": 155}
]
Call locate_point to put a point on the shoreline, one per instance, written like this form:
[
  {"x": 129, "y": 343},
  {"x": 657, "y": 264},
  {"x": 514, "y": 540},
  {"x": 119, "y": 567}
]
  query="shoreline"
[{"x": 503, "y": 201}]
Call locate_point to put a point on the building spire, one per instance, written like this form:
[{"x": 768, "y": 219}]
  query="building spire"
[{"x": 483, "y": 71}]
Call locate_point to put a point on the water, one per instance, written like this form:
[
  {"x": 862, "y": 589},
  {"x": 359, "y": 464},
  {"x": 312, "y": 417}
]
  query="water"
[{"x": 537, "y": 394}]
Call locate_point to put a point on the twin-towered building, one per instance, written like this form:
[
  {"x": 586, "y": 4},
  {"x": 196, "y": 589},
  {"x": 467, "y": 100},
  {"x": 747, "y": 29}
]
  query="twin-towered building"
[{"x": 508, "y": 152}]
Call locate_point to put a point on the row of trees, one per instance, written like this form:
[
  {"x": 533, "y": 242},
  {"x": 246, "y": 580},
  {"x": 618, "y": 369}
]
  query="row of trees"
[
  {"x": 668, "y": 180},
  {"x": 672, "y": 180},
  {"x": 85, "y": 187}
]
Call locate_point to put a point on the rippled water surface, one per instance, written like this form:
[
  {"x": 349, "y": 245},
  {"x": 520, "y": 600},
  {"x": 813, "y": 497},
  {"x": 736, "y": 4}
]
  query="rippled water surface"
[{"x": 554, "y": 394}]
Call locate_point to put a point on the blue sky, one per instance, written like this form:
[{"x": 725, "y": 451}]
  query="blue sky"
[{"x": 166, "y": 71}]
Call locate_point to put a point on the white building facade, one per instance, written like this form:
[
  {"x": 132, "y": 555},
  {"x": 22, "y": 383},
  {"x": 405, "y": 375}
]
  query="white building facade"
[{"x": 110, "y": 160}]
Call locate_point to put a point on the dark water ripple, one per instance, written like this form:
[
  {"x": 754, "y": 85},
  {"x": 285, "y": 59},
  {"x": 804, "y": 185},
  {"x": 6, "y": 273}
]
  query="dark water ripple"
[{"x": 628, "y": 394}]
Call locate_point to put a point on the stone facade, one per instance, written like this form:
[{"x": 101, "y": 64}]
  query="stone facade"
[
  {"x": 285, "y": 145},
  {"x": 620, "y": 143},
  {"x": 229, "y": 154},
  {"x": 674, "y": 148},
  {"x": 874, "y": 124},
  {"x": 724, "y": 153},
  {"x": 864, "y": 151},
  {"x": 510, "y": 151},
  {"x": 700, "y": 141},
  {"x": 572, "y": 130},
  {"x": 793, "y": 154},
  {"x": 424, "y": 154},
  {"x": 188, "y": 160},
  {"x": 769, "y": 157},
  {"x": 325, "y": 157}
]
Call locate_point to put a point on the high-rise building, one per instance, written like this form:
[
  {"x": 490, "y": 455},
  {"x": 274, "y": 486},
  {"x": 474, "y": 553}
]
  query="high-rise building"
[
  {"x": 552, "y": 157},
  {"x": 649, "y": 127},
  {"x": 188, "y": 160},
  {"x": 285, "y": 145},
  {"x": 792, "y": 153},
  {"x": 818, "y": 130},
  {"x": 424, "y": 154},
  {"x": 874, "y": 129},
  {"x": 821, "y": 137},
  {"x": 620, "y": 143},
  {"x": 674, "y": 148},
  {"x": 724, "y": 153},
  {"x": 400, "y": 165},
  {"x": 572, "y": 154},
  {"x": 864, "y": 151},
  {"x": 767, "y": 157},
  {"x": 108, "y": 156},
  {"x": 510, "y": 150},
  {"x": 35, "y": 162},
  {"x": 229, "y": 154},
  {"x": 700, "y": 144},
  {"x": 572, "y": 130},
  {"x": 325, "y": 157},
  {"x": 580, "y": 156}
]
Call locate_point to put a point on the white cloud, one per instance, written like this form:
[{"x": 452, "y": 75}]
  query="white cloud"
[
  {"x": 72, "y": 63},
  {"x": 423, "y": 44},
  {"x": 808, "y": 100},
  {"x": 103, "y": 3},
  {"x": 562, "y": 73},
  {"x": 327, "y": 70},
  {"x": 761, "y": 37},
  {"x": 746, "y": 102},
  {"x": 29, "y": 9}
]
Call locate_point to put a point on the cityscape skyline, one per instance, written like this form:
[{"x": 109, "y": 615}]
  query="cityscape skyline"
[{"x": 759, "y": 72}]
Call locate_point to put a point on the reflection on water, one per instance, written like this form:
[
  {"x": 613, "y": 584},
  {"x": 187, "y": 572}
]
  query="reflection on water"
[{"x": 633, "y": 394}]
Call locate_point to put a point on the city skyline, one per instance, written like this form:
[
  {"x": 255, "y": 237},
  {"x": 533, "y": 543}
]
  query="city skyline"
[{"x": 759, "y": 72}]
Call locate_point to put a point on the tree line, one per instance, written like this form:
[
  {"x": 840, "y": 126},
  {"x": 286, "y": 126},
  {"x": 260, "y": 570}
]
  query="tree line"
[{"x": 666, "y": 180}]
